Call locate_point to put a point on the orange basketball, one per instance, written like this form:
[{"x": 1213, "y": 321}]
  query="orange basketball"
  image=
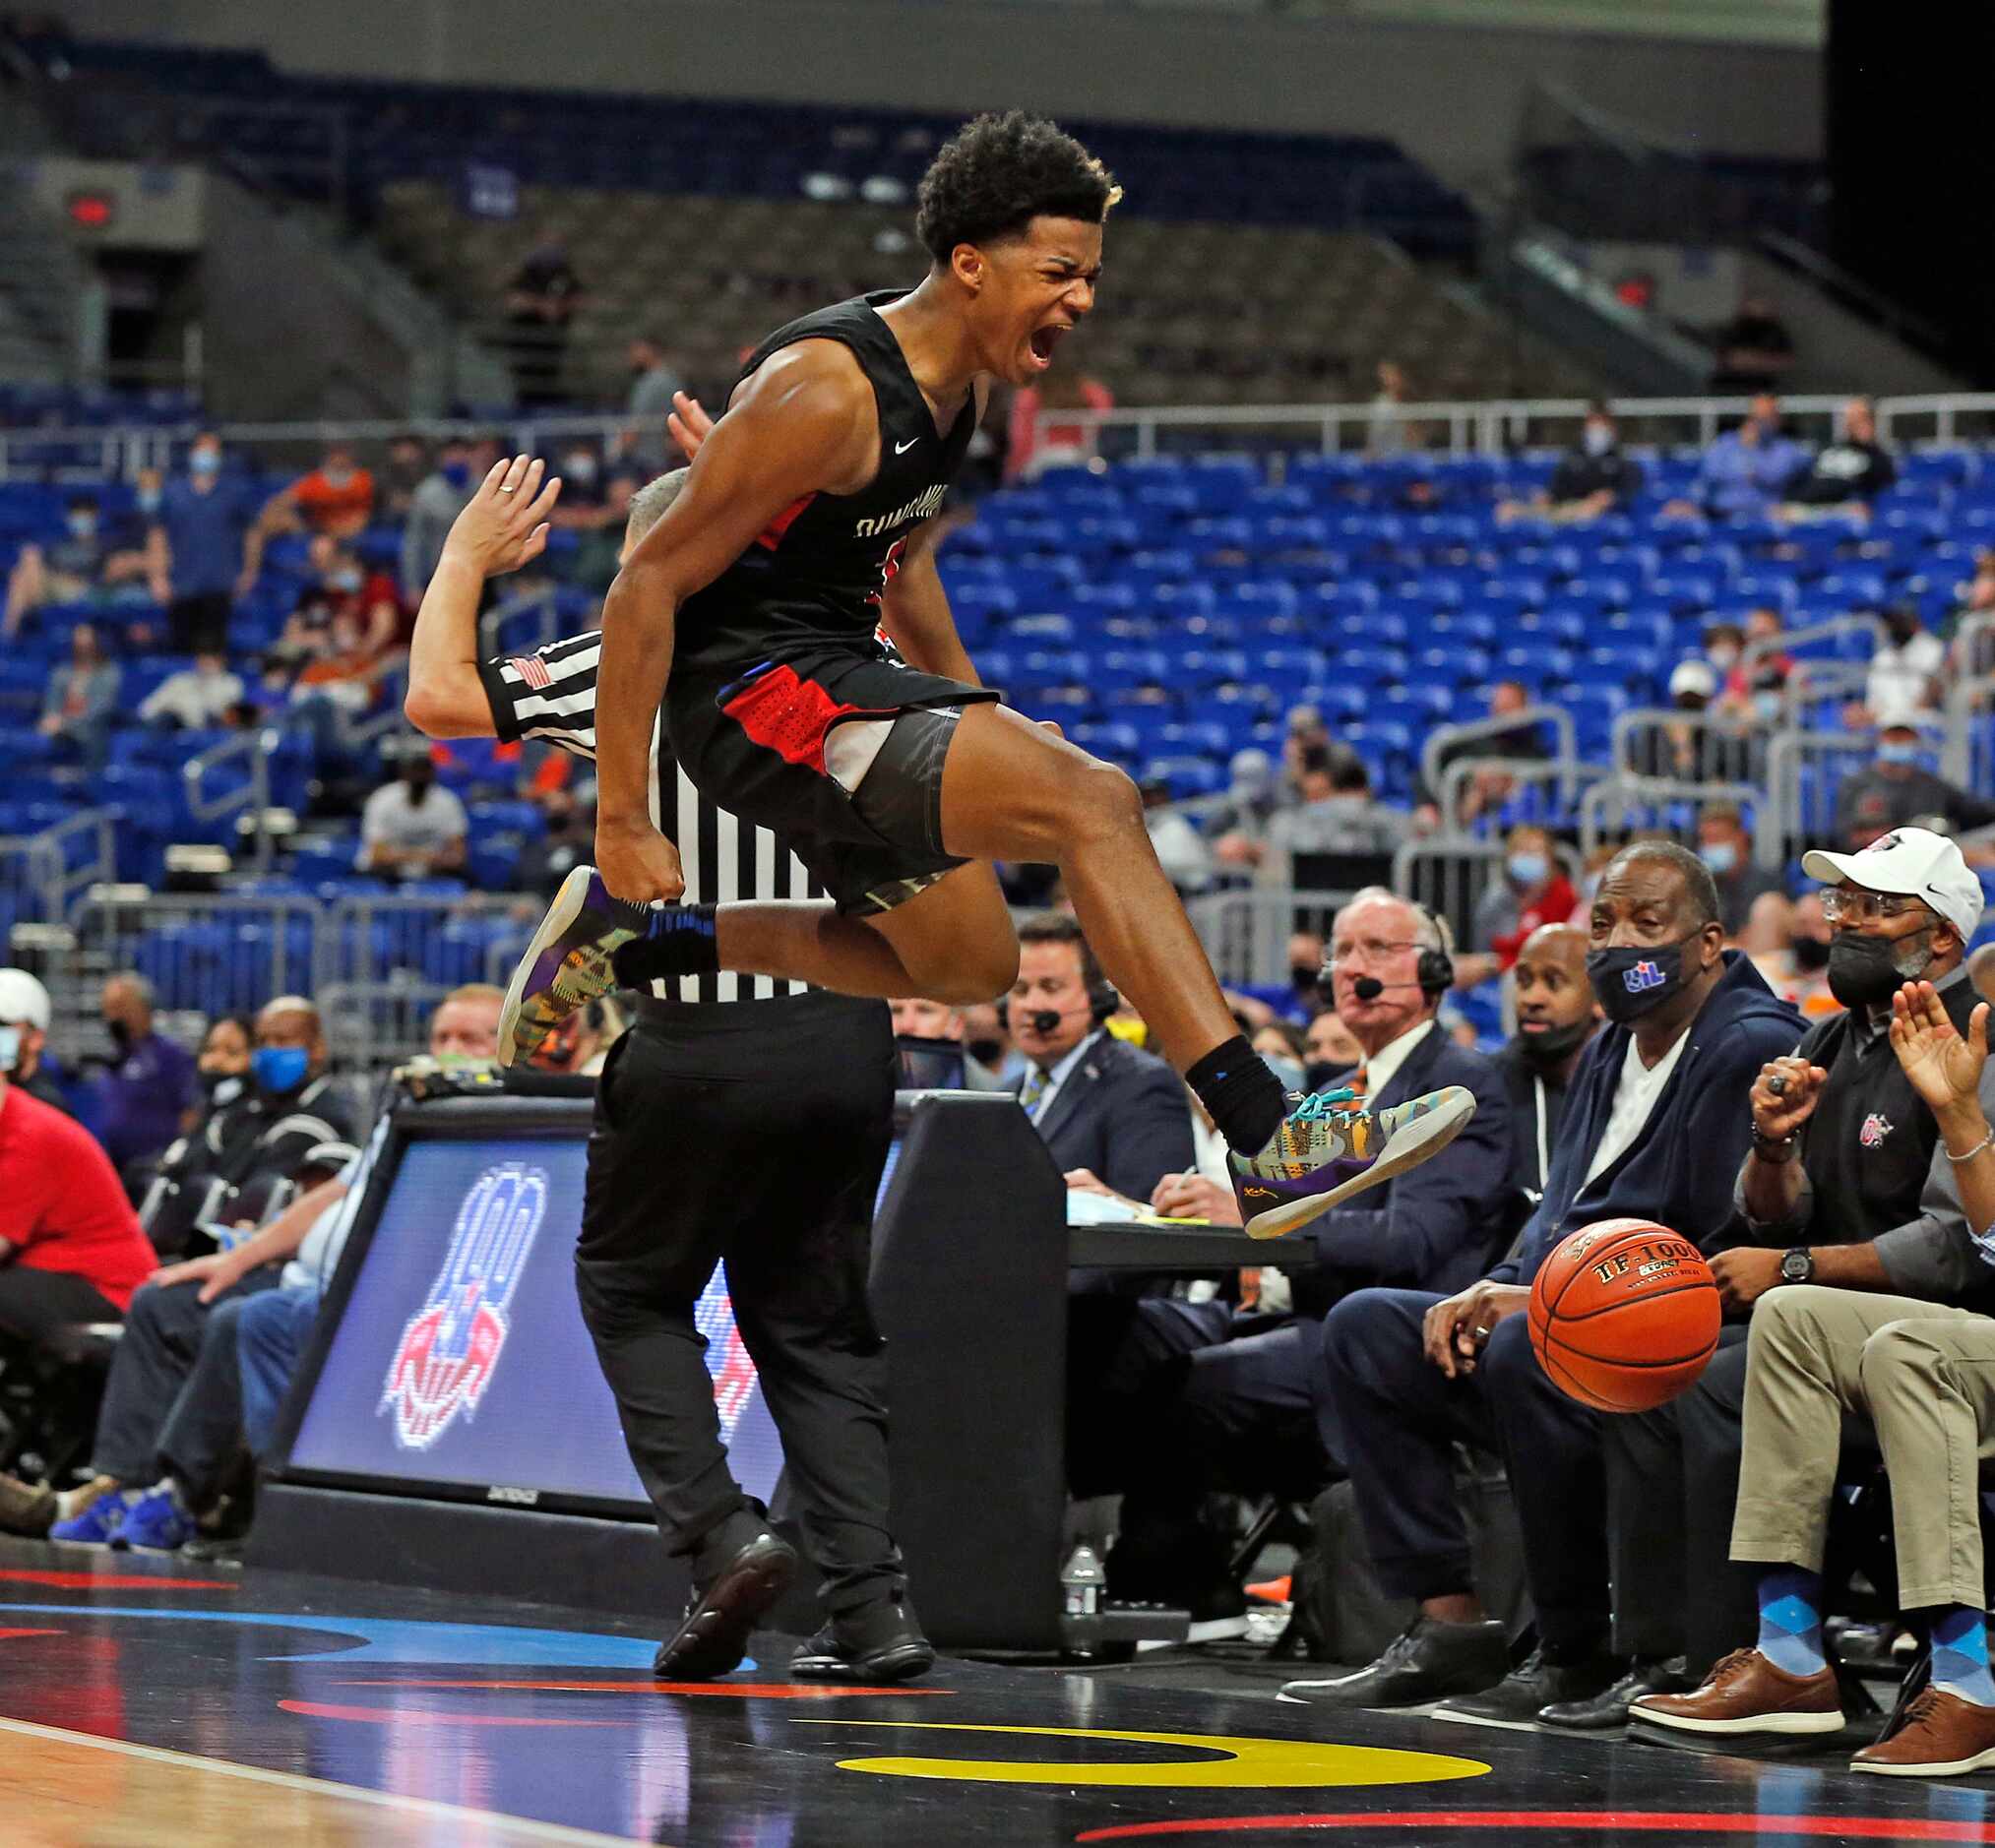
[{"x": 1624, "y": 1315}]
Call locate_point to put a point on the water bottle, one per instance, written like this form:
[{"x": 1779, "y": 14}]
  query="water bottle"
[{"x": 1081, "y": 1582}]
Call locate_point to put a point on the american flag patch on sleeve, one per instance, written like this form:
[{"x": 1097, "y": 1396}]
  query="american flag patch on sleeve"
[{"x": 532, "y": 669}]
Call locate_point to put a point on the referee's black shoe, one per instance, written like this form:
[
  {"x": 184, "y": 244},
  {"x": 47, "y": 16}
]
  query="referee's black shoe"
[
  {"x": 713, "y": 1639},
  {"x": 878, "y": 1643}
]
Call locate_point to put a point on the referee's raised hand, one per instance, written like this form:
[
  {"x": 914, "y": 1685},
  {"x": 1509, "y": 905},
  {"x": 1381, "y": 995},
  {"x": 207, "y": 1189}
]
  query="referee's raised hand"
[{"x": 504, "y": 525}]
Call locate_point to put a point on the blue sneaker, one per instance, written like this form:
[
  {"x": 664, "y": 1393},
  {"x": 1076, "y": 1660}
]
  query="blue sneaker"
[
  {"x": 569, "y": 963},
  {"x": 1330, "y": 1146},
  {"x": 158, "y": 1522},
  {"x": 99, "y": 1522}
]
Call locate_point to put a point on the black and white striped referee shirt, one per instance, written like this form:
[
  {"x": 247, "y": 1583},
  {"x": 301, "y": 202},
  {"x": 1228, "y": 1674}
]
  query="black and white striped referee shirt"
[{"x": 550, "y": 694}]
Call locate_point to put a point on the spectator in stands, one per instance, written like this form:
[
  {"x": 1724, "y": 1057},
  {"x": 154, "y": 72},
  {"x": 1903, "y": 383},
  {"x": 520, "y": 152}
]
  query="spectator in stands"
[
  {"x": 410, "y": 829},
  {"x": 1845, "y": 1189},
  {"x": 1689, "y": 753},
  {"x": 1593, "y": 478},
  {"x": 1726, "y": 844},
  {"x": 335, "y": 499},
  {"x": 1746, "y": 469},
  {"x": 82, "y": 696},
  {"x": 1755, "y": 350},
  {"x": 1386, "y": 431},
  {"x": 1557, "y": 1018},
  {"x": 1281, "y": 1044},
  {"x": 437, "y": 500},
  {"x": 1109, "y": 1115},
  {"x": 1329, "y": 1050},
  {"x": 653, "y": 386},
  {"x": 567, "y": 842},
  {"x": 1036, "y": 437},
  {"x": 195, "y": 699},
  {"x": 1757, "y": 669},
  {"x": 1181, "y": 849},
  {"x": 25, "y": 1011},
  {"x": 197, "y": 546},
  {"x": 1905, "y": 671},
  {"x": 177, "y": 1394},
  {"x": 1491, "y": 787},
  {"x": 262, "y": 1137},
  {"x": 70, "y": 1245},
  {"x": 1532, "y": 890},
  {"x": 987, "y": 1038},
  {"x": 600, "y": 549},
  {"x": 144, "y": 1098},
  {"x": 402, "y": 474},
  {"x": 1652, "y": 1128},
  {"x": 1850, "y": 471},
  {"x": 1897, "y": 788},
  {"x": 1337, "y": 815},
  {"x": 540, "y": 301},
  {"x": 72, "y": 570},
  {"x": 1239, "y": 825},
  {"x": 340, "y": 585},
  {"x": 1197, "y": 1398},
  {"x": 222, "y": 1069},
  {"x": 916, "y": 1019}
]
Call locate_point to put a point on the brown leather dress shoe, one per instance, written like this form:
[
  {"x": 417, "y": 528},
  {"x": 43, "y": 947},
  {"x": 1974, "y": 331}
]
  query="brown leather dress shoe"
[
  {"x": 1940, "y": 1735},
  {"x": 1747, "y": 1694},
  {"x": 24, "y": 1507}
]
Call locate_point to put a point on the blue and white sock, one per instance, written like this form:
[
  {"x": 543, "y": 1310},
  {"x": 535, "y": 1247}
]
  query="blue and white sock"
[
  {"x": 1961, "y": 1654},
  {"x": 678, "y": 940},
  {"x": 1790, "y": 1621}
]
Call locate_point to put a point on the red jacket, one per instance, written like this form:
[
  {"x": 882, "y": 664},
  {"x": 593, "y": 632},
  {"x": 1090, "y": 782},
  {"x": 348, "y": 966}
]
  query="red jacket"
[
  {"x": 1554, "y": 905},
  {"x": 62, "y": 1205}
]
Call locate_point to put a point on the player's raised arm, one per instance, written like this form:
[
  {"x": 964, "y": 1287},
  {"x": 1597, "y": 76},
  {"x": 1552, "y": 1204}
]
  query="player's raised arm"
[
  {"x": 804, "y": 423},
  {"x": 502, "y": 526}
]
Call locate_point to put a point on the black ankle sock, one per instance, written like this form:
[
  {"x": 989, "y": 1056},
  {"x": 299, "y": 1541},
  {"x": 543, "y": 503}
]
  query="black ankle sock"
[
  {"x": 1242, "y": 1094},
  {"x": 681, "y": 941}
]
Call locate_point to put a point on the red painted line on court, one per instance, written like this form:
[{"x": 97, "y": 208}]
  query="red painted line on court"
[
  {"x": 739, "y": 1690},
  {"x": 421, "y": 1716},
  {"x": 111, "y": 1581},
  {"x": 1861, "y": 1827},
  {"x": 5, "y": 1633}
]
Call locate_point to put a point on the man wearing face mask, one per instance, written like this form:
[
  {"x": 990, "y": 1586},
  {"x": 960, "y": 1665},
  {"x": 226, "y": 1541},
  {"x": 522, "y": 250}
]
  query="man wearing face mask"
[
  {"x": 1532, "y": 890},
  {"x": 1557, "y": 1018},
  {"x": 289, "y": 1107},
  {"x": 25, "y": 1014},
  {"x": 1897, "y": 789},
  {"x": 195, "y": 546},
  {"x": 1593, "y": 478},
  {"x": 1653, "y": 1129},
  {"x": 439, "y": 498},
  {"x": 1845, "y": 1189},
  {"x": 1904, "y": 673},
  {"x": 1726, "y": 846},
  {"x": 150, "y": 1088},
  {"x": 410, "y": 829}
]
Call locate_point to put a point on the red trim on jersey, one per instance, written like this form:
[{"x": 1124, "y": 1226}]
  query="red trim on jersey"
[
  {"x": 788, "y": 715},
  {"x": 772, "y": 534}
]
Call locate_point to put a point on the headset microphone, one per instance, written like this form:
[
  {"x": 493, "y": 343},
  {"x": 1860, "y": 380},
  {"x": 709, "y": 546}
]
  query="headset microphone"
[
  {"x": 1046, "y": 1021},
  {"x": 1370, "y": 988}
]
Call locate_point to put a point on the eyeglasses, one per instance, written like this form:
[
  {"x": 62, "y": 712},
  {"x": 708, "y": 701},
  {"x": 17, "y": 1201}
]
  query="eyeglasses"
[
  {"x": 1370, "y": 949},
  {"x": 1859, "y": 908}
]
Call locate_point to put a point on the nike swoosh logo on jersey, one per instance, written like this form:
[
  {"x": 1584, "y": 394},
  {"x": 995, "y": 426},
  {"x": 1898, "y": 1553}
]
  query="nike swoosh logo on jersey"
[{"x": 900, "y": 449}]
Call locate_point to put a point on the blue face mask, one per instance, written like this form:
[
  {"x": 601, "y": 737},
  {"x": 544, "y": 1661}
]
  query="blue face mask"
[
  {"x": 204, "y": 462},
  {"x": 10, "y": 1049},
  {"x": 82, "y": 525},
  {"x": 279, "y": 1068},
  {"x": 1720, "y": 855},
  {"x": 457, "y": 473},
  {"x": 1527, "y": 869},
  {"x": 148, "y": 500},
  {"x": 1898, "y": 754},
  {"x": 1288, "y": 1070}
]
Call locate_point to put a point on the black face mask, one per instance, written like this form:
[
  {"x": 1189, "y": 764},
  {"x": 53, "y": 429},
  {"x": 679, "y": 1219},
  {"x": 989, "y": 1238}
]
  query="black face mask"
[
  {"x": 222, "y": 1087},
  {"x": 986, "y": 1051},
  {"x": 1637, "y": 980},
  {"x": 1305, "y": 978},
  {"x": 1557, "y": 1044},
  {"x": 121, "y": 1035},
  {"x": 1319, "y": 1072},
  {"x": 1810, "y": 954},
  {"x": 1865, "y": 971}
]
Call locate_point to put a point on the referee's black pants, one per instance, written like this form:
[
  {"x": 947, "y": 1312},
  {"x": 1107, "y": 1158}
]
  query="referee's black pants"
[{"x": 754, "y": 1134}]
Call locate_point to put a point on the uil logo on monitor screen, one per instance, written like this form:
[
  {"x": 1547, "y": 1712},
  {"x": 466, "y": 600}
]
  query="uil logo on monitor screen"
[{"x": 447, "y": 1354}]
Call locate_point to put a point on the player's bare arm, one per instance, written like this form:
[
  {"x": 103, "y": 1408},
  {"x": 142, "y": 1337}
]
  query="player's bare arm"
[
  {"x": 801, "y": 425},
  {"x": 916, "y": 614},
  {"x": 502, "y": 526}
]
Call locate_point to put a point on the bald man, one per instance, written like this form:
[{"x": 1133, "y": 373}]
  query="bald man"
[
  {"x": 1556, "y": 1017},
  {"x": 146, "y": 1094}
]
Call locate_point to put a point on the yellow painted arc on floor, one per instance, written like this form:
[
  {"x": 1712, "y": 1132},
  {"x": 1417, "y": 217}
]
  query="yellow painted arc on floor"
[{"x": 1231, "y": 1763}]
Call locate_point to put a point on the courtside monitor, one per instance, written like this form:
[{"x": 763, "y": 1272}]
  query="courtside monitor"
[{"x": 450, "y": 1359}]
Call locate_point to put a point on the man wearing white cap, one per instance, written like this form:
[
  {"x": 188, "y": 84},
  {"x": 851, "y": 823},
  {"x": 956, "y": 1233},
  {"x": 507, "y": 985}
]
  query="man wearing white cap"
[
  {"x": 24, "y": 1005},
  {"x": 1849, "y": 1190},
  {"x": 1897, "y": 788}
]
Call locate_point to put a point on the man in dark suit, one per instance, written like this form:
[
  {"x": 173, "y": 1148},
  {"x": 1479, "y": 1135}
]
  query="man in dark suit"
[
  {"x": 1197, "y": 1395},
  {"x": 1110, "y": 1115}
]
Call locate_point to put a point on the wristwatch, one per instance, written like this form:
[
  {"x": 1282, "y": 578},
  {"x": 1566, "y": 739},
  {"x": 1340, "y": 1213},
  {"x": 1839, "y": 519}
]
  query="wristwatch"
[{"x": 1798, "y": 1266}]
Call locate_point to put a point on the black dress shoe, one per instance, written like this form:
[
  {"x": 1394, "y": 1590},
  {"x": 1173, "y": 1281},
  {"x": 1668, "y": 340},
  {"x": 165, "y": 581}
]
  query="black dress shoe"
[
  {"x": 878, "y": 1643},
  {"x": 1424, "y": 1662},
  {"x": 1523, "y": 1694},
  {"x": 714, "y": 1638},
  {"x": 1609, "y": 1708}
]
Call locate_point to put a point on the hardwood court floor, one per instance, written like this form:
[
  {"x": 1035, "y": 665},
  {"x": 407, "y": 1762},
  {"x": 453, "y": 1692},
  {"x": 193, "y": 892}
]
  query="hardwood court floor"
[{"x": 146, "y": 1701}]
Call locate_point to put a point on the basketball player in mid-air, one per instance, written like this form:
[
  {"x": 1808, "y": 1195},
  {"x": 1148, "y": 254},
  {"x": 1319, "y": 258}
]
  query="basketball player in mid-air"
[{"x": 751, "y": 610}]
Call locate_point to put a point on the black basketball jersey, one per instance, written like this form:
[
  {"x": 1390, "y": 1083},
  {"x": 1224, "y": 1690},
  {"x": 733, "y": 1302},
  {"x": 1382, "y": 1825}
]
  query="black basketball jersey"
[{"x": 815, "y": 577}]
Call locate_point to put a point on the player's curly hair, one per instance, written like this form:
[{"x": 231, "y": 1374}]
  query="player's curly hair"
[{"x": 998, "y": 173}]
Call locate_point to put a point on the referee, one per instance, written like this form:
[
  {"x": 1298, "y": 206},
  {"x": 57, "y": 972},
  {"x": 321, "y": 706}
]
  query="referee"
[{"x": 688, "y": 1166}]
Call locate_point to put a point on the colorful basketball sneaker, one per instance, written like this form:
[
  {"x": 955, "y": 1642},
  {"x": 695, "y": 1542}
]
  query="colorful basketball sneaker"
[
  {"x": 570, "y": 961},
  {"x": 1330, "y": 1146}
]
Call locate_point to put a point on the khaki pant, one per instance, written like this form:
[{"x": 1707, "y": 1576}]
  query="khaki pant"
[{"x": 1924, "y": 1375}]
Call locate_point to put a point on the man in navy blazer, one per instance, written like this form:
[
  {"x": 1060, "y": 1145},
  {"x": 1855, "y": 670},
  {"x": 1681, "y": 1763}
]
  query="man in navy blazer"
[{"x": 1106, "y": 1111}]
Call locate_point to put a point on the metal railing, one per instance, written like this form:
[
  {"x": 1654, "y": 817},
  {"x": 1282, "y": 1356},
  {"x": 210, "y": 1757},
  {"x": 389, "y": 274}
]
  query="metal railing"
[
  {"x": 247, "y": 800},
  {"x": 41, "y": 874},
  {"x": 1445, "y": 738},
  {"x": 1246, "y": 932},
  {"x": 1725, "y": 749},
  {"x": 1804, "y": 772},
  {"x": 1624, "y": 805},
  {"x": 1563, "y": 779}
]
